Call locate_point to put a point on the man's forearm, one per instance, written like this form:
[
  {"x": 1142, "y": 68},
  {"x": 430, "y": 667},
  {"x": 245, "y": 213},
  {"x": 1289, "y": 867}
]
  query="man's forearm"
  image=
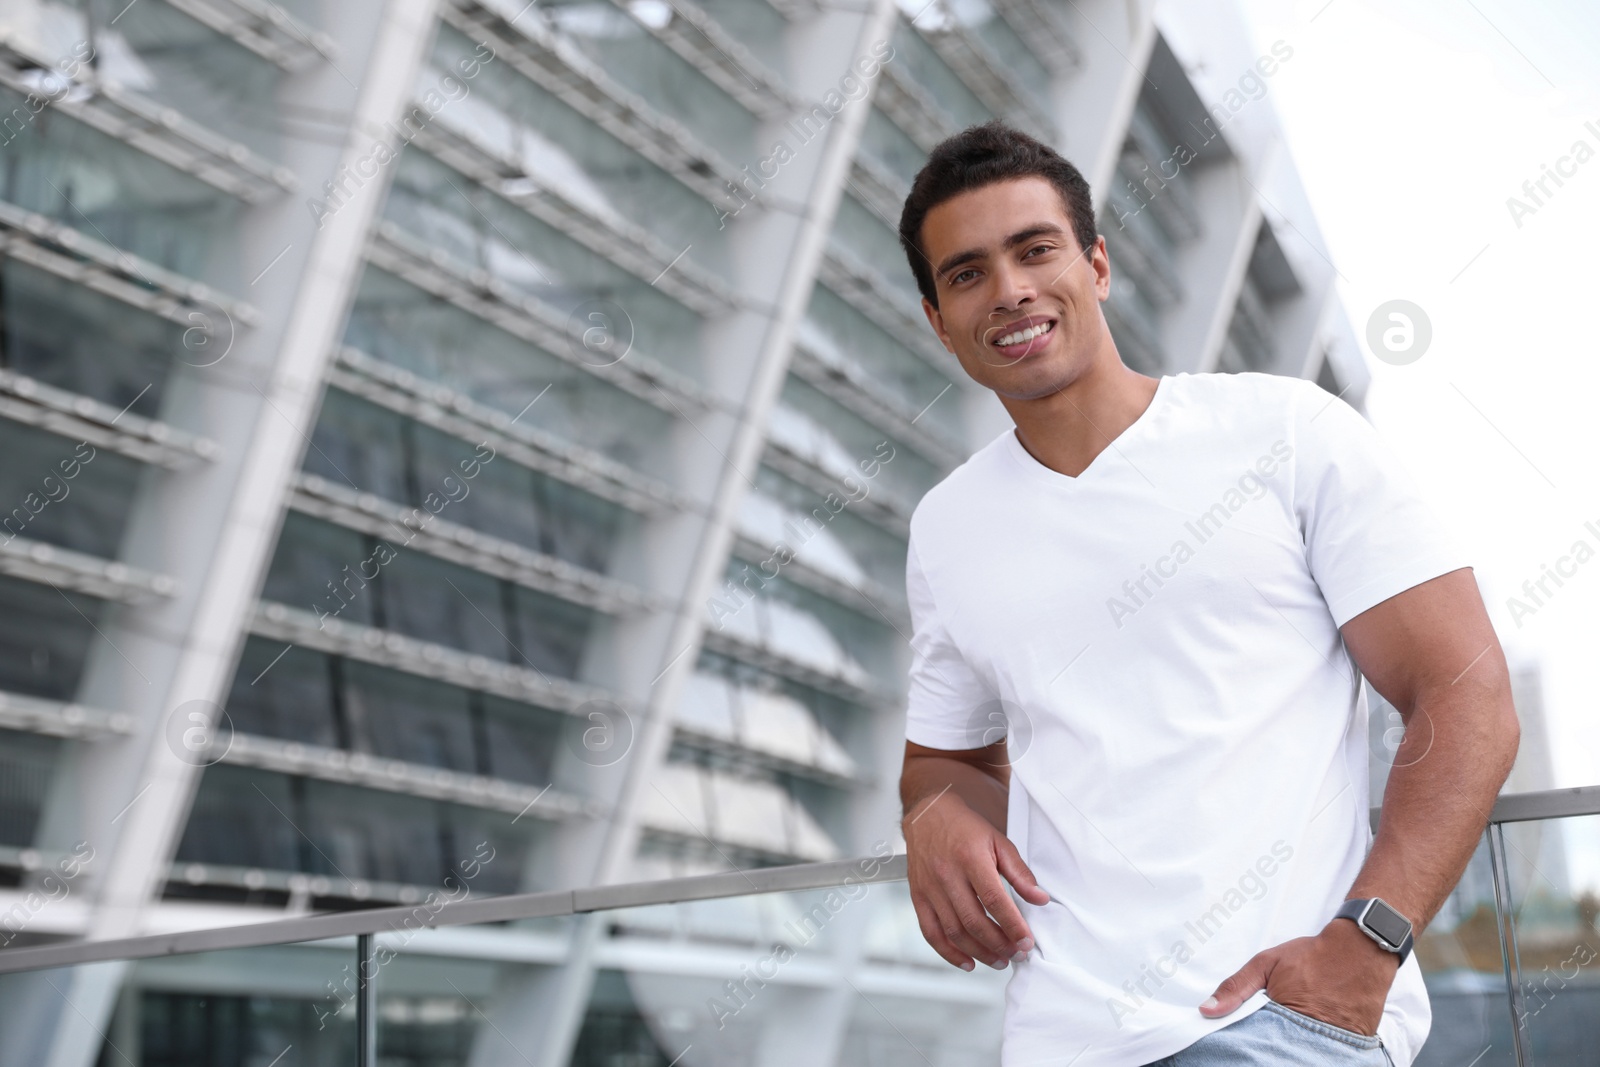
[
  {"x": 925, "y": 779},
  {"x": 1458, "y": 749}
]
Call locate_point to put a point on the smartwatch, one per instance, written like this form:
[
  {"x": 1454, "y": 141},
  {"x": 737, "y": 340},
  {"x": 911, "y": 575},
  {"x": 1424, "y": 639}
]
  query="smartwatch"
[{"x": 1379, "y": 921}]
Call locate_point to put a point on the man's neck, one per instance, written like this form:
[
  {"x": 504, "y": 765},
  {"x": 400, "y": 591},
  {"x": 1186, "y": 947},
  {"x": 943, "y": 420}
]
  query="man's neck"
[{"x": 1067, "y": 429}]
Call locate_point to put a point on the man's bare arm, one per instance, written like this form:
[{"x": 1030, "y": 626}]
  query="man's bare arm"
[
  {"x": 958, "y": 857},
  {"x": 1431, "y": 652},
  {"x": 980, "y": 776},
  {"x": 1461, "y": 739}
]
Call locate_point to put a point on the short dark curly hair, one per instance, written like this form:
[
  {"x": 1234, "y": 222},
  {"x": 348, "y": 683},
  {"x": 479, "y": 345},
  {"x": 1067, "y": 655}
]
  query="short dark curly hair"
[{"x": 979, "y": 156}]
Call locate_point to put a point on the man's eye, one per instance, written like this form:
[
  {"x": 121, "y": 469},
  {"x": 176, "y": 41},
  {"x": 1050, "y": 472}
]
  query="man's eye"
[
  {"x": 957, "y": 279},
  {"x": 1036, "y": 248}
]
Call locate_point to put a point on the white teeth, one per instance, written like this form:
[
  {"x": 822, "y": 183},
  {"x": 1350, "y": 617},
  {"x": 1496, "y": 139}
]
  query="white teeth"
[{"x": 1024, "y": 335}]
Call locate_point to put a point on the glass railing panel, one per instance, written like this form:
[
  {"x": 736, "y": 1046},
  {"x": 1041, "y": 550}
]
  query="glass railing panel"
[
  {"x": 1459, "y": 954},
  {"x": 696, "y": 982},
  {"x": 681, "y": 977},
  {"x": 239, "y": 1006},
  {"x": 437, "y": 1010},
  {"x": 1555, "y": 902}
]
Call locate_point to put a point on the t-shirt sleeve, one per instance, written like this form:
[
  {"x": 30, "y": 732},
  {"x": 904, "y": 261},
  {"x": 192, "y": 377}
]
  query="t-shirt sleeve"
[
  {"x": 1368, "y": 533},
  {"x": 947, "y": 700}
]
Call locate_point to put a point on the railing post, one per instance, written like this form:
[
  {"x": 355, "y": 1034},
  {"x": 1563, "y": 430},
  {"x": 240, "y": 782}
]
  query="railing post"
[
  {"x": 366, "y": 995},
  {"x": 1506, "y": 927}
]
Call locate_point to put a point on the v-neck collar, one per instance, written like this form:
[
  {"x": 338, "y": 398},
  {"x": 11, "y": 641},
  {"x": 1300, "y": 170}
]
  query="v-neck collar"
[{"x": 1096, "y": 466}]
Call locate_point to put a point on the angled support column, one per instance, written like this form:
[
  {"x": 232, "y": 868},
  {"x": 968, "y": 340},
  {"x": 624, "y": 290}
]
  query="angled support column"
[
  {"x": 776, "y": 245},
  {"x": 1094, "y": 104},
  {"x": 1212, "y": 267}
]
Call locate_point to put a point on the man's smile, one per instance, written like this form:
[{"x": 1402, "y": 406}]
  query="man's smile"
[{"x": 1022, "y": 338}]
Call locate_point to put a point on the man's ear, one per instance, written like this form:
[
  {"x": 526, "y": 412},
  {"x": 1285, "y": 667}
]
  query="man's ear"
[
  {"x": 936, "y": 320},
  {"x": 1100, "y": 260}
]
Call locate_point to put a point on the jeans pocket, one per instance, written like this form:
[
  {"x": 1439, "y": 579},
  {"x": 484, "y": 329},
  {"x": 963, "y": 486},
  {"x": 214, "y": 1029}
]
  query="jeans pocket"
[{"x": 1326, "y": 1029}]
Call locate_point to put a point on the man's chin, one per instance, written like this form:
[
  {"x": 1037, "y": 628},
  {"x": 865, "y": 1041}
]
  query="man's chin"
[{"x": 1030, "y": 379}]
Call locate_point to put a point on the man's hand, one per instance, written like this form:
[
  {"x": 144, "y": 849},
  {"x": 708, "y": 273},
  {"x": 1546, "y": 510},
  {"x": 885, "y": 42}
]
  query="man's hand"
[
  {"x": 958, "y": 864},
  {"x": 1340, "y": 976}
]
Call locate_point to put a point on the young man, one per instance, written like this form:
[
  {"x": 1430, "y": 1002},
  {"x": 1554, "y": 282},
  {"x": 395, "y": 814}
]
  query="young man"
[{"x": 1135, "y": 701}]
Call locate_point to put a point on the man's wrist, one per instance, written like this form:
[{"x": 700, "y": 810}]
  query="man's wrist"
[
  {"x": 1361, "y": 948},
  {"x": 921, "y": 805}
]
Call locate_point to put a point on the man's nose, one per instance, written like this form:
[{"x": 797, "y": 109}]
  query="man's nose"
[{"x": 1012, "y": 286}]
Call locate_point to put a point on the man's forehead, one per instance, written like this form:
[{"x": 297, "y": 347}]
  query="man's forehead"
[{"x": 990, "y": 213}]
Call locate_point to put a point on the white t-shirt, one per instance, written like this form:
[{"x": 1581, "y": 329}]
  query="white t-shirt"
[{"x": 1158, "y": 641}]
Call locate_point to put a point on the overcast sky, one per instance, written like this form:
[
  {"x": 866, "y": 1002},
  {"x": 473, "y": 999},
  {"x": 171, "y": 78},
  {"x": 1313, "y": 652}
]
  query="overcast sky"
[{"x": 1413, "y": 122}]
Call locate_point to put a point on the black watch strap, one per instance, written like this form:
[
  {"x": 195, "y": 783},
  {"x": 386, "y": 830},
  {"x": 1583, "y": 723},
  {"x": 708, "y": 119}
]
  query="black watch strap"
[{"x": 1359, "y": 912}]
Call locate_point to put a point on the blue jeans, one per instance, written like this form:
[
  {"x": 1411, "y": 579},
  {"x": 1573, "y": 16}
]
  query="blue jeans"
[{"x": 1276, "y": 1036}]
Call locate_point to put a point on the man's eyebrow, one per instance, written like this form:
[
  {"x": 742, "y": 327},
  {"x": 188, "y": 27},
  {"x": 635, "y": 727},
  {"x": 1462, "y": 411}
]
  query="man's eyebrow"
[{"x": 1038, "y": 229}]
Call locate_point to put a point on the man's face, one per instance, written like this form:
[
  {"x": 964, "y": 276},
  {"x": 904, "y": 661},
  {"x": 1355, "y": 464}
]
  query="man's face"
[{"x": 1019, "y": 300}]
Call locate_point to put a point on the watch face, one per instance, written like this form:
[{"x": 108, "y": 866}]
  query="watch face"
[{"x": 1387, "y": 923}]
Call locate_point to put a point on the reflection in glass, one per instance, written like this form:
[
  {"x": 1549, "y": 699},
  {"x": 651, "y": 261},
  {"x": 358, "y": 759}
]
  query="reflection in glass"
[{"x": 1555, "y": 904}]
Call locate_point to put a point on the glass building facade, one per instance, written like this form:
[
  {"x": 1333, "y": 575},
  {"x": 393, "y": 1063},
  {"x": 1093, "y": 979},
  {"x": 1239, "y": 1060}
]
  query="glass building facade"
[{"x": 471, "y": 443}]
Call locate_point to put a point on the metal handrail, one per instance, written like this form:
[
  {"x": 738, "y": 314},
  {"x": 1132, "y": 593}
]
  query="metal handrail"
[
  {"x": 1515, "y": 807},
  {"x": 1532, "y": 806},
  {"x": 551, "y": 904}
]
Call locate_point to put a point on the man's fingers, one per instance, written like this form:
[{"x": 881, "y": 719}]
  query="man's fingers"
[
  {"x": 1239, "y": 986},
  {"x": 993, "y": 944},
  {"x": 933, "y": 933},
  {"x": 998, "y": 903},
  {"x": 1018, "y": 873},
  {"x": 972, "y": 930}
]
